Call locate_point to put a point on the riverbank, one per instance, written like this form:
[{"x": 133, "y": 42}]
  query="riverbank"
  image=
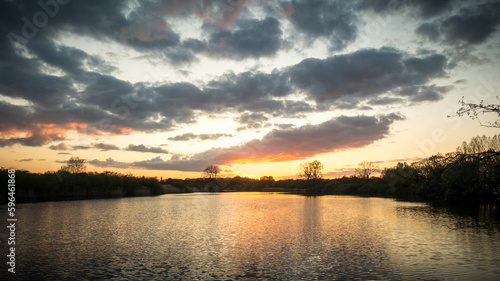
[{"x": 52, "y": 186}]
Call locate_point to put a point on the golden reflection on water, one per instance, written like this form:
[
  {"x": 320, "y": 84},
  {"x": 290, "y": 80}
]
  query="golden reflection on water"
[{"x": 252, "y": 236}]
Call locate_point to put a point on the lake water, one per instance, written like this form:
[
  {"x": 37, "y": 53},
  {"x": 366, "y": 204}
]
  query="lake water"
[{"x": 249, "y": 236}]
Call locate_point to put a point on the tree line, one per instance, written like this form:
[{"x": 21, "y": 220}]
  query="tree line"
[
  {"x": 72, "y": 182},
  {"x": 471, "y": 173}
]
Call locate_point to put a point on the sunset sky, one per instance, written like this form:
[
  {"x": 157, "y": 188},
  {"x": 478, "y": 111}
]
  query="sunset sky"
[{"x": 257, "y": 87}]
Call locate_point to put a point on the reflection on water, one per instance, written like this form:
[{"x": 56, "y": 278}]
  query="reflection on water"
[{"x": 252, "y": 236}]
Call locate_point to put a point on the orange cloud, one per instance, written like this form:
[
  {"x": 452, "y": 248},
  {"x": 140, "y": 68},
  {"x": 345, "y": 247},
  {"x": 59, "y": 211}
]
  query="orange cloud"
[{"x": 337, "y": 134}]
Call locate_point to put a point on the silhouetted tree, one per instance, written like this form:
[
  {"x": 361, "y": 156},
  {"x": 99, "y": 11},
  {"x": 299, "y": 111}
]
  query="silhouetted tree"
[
  {"x": 75, "y": 165},
  {"x": 480, "y": 144},
  {"x": 366, "y": 168},
  {"x": 311, "y": 170},
  {"x": 401, "y": 178},
  {"x": 211, "y": 172},
  {"x": 267, "y": 178},
  {"x": 474, "y": 109}
]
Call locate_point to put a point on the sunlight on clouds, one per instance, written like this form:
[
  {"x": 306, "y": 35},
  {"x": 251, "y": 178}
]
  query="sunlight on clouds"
[{"x": 15, "y": 101}]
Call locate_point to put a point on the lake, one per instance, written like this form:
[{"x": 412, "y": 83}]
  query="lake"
[{"x": 248, "y": 236}]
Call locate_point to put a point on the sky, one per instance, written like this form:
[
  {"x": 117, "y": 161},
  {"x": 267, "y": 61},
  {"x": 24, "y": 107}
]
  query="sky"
[{"x": 167, "y": 88}]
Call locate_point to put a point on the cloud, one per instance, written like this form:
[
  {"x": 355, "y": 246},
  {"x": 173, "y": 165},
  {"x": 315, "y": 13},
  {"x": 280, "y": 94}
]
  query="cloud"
[
  {"x": 335, "y": 21},
  {"x": 61, "y": 146},
  {"x": 429, "y": 8},
  {"x": 385, "y": 101},
  {"x": 143, "y": 148},
  {"x": 472, "y": 25},
  {"x": 424, "y": 8},
  {"x": 424, "y": 93},
  {"x": 251, "y": 121},
  {"x": 340, "y": 173},
  {"x": 364, "y": 73},
  {"x": 110, "y": 106},
  {"x": 83, "y": 147},
  {"x": 191, "y": 136},
  {"x": 106, "y": 147},
  {"x": 251, "y": 38},
  {"x": 75, "y": 91},
  {"x": 337, "y": 134},
  {"x": 223, "y": 13},
  {"x": 429, "y": 31},
  {"x": 108, "y": 163},
  {"x": 35, "y": 138},
  {"x": 25, "y": 160},
  {"x": 101, "y": 146}
]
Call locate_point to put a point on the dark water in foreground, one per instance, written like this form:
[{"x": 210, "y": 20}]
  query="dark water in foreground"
[{"x": 250, "y": 236}]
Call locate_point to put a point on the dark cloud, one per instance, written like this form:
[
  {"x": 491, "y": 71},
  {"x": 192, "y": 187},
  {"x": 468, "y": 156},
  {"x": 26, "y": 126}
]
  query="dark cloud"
[
  {"x": 429, "y": 8},
  {"x": 104, "y": 90},
  {"x": 14, "y": 117},
  {"x": 252, "y": 121},
  {"x": 424, "y": 93},
  {"x": 83, "y": 147},
  {"x": 105, "y": 147},
  {"x": 385, "y": 101},
  {"x": 428, "y": 30},
  {"x": 284, "y": 126},
  {"x": 379, "y": 6},
  {"x": 252, "y": 38},
  {"x": 144, "y": 27},
  {"x": 146, "y": 30},
  {"x": 471, "y": 25},
  {"x": 113, "y": 106},
  {"x": 223, "y": 13},
  {"x": 423, "y": 8},
  {"x": 421, "y": 69},
  {"x": 364, "y": 73},
  {"x": 25, "y": 160},
  {"x": 191, "y": 136},
  {"x": 43, "y": 89},
  {"x": 143, "y": 148},
  {"x": 334, "y": 20}
]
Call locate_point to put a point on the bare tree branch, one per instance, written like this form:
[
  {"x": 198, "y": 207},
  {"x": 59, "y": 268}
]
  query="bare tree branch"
[
  {"x": 473, "y": 110},
  {"x": 311, "y": 170}
]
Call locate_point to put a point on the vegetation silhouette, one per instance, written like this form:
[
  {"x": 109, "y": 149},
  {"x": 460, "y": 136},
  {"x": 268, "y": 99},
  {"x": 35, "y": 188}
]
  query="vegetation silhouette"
[
  {"x": 312, "y": 172},
  {"x": 474, "y": 110},
  {"x": 210, "y": 176},
  {"x": 471, "y": 174},
  {"x": 365, "y": 169},
  {"x": 75, "y": 165}
]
